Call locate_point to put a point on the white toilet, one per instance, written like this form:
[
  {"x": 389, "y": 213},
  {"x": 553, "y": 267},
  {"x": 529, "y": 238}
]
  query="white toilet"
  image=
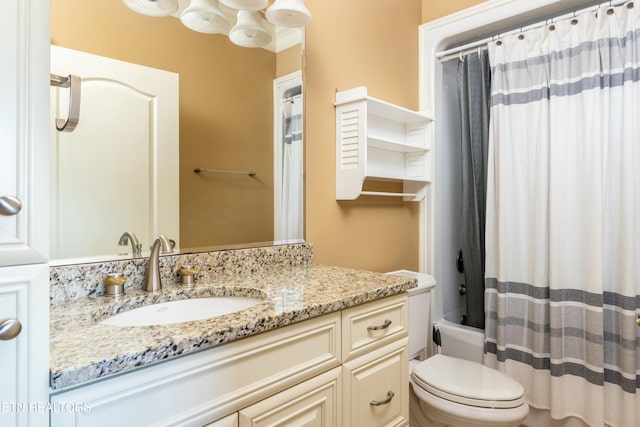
[{"x": 452, "y": 391}]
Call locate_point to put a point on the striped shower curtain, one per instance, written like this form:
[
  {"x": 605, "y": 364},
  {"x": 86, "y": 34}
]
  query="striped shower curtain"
[
  {"x": 291, "y": 209},
  {"x": 563, "y": 215}
]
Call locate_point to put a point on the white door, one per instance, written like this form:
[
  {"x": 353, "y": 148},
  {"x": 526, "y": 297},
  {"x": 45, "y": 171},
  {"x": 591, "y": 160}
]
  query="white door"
[{"x": 118, "y": 170}]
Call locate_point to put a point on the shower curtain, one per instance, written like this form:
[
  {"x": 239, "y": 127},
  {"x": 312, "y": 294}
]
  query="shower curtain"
[
  {"x": 291, "y": 217},
  {"x": 563, "y": 215},
  {"x": 474, "y": 89}
]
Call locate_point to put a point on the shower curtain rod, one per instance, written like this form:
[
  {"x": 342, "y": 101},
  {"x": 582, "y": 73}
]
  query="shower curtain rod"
[
  {"x": 476, "y": 46},
  {"x": 291, "y": 98}
]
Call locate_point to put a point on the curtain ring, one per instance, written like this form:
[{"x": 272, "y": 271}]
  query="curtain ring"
[{"x": 460, "y": 56}]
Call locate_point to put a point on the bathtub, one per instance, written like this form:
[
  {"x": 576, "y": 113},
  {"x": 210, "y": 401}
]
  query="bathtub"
[{"x": 460, "y": 341}]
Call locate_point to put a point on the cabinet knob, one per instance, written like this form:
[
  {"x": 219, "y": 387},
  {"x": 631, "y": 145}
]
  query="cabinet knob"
[
  {"x": 9, "y": 205},
  {"x": 9, "y": 329},
  {"x": 390, "y": 395}
]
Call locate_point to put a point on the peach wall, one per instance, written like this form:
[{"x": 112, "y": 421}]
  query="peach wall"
[
  {"x": 371, "y": 43},
  {"x": 434, "y": 9},
  {"x": 289, "y": 61}
]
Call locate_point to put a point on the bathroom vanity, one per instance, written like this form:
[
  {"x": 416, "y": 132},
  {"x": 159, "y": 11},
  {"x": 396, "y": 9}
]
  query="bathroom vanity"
[{"x": 326, "y": 345}]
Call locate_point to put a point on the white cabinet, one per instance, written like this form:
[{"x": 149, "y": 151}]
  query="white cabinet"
[
  {"x": 24, "y": 274},
  {"x": 375, "y": 363},
  {"x": 291, "y": 376},
  {"x": 24, "y": 132},
  {"x": 379, "y": 141},
  {"x": 206, "y": 386}
]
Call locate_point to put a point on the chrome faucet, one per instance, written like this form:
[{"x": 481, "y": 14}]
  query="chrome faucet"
[
  {"x": 151, "y": 281},
  {"x": 136, "y": 246}
]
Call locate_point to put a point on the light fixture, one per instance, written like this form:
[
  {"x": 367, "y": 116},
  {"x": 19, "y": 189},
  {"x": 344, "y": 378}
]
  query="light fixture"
[
  {"x": 249, "y": 31},
  {"x": 153, "y": 7},
  {"x": 205, "y": 16},
  {"x": 288, "y": 13},
  {"x": 216, "y": 16},
  {"x": 245, "y": 4}
]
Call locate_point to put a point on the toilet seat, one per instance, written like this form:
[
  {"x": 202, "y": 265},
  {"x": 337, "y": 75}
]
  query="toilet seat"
[{"x": 467, "y": 383}]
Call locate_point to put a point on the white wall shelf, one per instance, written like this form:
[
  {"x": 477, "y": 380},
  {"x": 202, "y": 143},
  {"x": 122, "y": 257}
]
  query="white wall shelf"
[{"x": 379, "y": 141}]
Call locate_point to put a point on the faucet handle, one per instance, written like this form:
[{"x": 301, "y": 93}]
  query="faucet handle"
[
  {"x": 129, "y": 237},
  {"x": 187, "y": 274},
  {"x": 172, "y": 246},
  {"x": 114, "y": 284}
]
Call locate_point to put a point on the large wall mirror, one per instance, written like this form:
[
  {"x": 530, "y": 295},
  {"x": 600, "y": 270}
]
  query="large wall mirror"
[{"x": 237, "y": 109}]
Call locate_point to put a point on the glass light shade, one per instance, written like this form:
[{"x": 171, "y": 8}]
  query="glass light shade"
[
  {"x": 249, "y": 31},
  {"x": 288, "y": 13},
  {"x": 153, "y": 7},
  {"x": 245, "y": 4},
  {"x": 204, "y": 16}
]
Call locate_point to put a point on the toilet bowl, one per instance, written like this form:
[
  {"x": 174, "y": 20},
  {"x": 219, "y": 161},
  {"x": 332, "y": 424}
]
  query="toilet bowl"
[
  {"x": 460, "y": 393},
  {"x": 447, "y": 390}
]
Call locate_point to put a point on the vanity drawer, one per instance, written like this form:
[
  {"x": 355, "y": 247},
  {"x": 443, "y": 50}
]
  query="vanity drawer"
[{"x": 373, "y": 325}]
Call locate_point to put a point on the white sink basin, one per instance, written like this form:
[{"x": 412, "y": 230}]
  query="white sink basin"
[{"x": 180, "y": 311}]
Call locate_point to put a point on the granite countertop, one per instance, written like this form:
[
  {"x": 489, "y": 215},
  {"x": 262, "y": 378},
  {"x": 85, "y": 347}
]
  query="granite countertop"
[{"x": 83, "y": 350}]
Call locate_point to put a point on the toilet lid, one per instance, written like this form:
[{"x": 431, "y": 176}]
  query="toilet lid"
[{"x": 468, "y": 383}]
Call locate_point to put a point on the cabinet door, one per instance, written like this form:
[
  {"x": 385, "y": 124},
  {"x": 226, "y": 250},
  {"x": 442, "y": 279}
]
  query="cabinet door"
[
  {"x": 376, "y": 387},
  {"x": 24, "y": 348},
  {"x": 313, "y": 403},
  {"x": 24, "y": 131}
]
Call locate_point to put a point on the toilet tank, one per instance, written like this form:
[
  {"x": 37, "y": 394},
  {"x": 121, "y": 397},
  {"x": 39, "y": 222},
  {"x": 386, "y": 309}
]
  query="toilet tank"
[{"x": 419, "y": 312}]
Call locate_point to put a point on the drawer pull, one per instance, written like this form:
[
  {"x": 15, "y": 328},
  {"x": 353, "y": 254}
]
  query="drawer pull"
[
  {"x": 385, "y": 325},
  {"x": 383, "y": 402}
]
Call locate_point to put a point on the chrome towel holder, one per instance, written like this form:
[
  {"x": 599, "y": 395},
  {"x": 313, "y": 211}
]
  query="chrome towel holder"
[
  {"x": 199, "y": 170},
  {"x": 72, "y": 82}
]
